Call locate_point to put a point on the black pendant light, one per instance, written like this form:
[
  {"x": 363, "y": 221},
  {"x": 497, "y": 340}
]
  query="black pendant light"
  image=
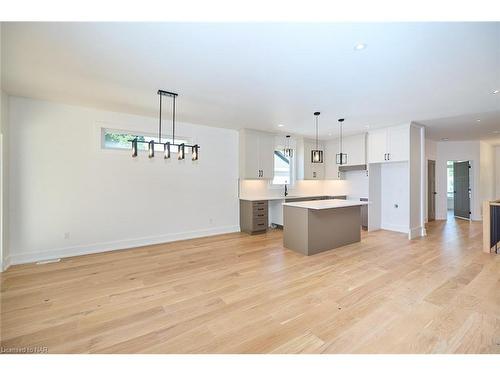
[
  {"x": 341, "y": 157},
  {"x": 195, "y": 149},
  {"x": 287, "y": 150},
  {"x": 134, "y": 147},
  {"x": 317, "y": 154},
  {"x": 195, "y": 152}
]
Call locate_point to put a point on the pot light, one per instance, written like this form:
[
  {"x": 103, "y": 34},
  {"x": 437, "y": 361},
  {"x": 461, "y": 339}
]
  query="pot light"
[
  {"x": 478, "y": 120},
  {"x": 444, "y": 139},
  {"x": 496, "y": 92},
  {"x": 280, "y": 125},
  {"x": 496, "y": 131},
  {"x": 359, "y": 46}
]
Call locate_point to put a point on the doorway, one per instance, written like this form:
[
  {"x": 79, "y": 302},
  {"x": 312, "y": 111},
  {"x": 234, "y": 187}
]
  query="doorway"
[
  {"x": 459, "y": 191},
  {"x": 431, "y": 190}
]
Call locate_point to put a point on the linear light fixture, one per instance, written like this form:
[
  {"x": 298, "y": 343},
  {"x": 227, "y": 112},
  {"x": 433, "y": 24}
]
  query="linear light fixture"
[
  {"x": 166, "y": 145},
  {"x": 341, "y": 157},
  {"x": 317, "y": 154}
]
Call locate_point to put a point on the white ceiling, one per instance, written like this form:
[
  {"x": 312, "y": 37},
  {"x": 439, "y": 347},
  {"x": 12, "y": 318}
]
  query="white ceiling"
[{"x": 261, "y": 75}]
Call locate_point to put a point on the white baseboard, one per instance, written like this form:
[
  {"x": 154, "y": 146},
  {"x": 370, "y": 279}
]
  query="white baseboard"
[
  {"x": 115, "y": 245},
  {"x": 5, "y": 264},
  {"x": 394, "y": 227},
  {"x": 416, "y": 233}
]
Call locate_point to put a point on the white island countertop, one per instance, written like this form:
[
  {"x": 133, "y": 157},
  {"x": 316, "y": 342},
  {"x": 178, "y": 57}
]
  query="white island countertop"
[{"x": 326, "y": 204}]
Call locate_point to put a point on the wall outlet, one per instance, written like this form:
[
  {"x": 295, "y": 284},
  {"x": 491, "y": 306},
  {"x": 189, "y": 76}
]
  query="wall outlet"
[
  {"x": 396, "y": 205},
  {"x": 66, "y": 235}
]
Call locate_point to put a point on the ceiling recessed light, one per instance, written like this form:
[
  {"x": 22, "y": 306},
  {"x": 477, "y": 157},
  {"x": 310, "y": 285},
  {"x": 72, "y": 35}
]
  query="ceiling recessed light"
[
  {"x": 496, "y": 131},
  {"x": 444, "y": 139},
  {"x": 359, "y": 46},
  {"x": 330, "y": 134},
  {"x": 496, "y": 92},
  {"x": 478, "y": 120},
  {"x": 280, "y": 125}
]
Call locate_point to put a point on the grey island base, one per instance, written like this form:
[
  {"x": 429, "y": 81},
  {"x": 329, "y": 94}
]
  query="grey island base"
[{"x": 313, "y": 227}]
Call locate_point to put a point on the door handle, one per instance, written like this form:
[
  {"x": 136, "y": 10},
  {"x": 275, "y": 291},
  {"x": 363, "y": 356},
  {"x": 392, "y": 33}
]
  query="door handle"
[{"x": 434, "y": 193}]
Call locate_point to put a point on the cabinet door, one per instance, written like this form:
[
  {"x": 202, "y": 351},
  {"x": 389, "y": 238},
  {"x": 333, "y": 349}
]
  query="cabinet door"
[
  {"x": 266, "y": 156},
  {"x": 308, "y": 166},
  {"x": 377, "y": 146},
  {"x": 355, "y": 148},
  {"x": 251, "y": 155},
  {"x": 398, "y": 143},
  {"x": 331, "y": 168}
]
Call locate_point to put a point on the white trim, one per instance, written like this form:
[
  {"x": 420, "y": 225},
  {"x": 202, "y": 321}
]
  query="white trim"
[
  {"x": 116, "y": 245},
  {"x": 416, "y": 233},
  {"x": 394, "y": 227}
]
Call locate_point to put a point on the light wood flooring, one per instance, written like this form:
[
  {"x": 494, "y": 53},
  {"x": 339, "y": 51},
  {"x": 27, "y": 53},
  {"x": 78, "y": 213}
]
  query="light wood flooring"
[{"x": 237, "y": 293}]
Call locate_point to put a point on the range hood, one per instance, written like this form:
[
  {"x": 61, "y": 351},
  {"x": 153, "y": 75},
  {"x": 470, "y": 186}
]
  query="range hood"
[{"x": 347, "y": 168}]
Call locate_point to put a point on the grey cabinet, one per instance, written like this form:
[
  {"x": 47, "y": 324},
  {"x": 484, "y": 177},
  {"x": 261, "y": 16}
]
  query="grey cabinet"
[{"x": 253, "y": 216}]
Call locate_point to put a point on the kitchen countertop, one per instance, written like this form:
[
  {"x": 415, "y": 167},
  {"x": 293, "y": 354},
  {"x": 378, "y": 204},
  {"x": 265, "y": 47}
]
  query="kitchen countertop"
[
  {"x": 326, "y": 204},
  {"x": 262, "y": 198}
]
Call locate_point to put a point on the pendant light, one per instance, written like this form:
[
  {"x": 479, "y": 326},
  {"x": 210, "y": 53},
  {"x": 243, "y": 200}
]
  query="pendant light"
[
  {"x": 151, "y": 149},
  {"x": 194, "y": 153},
  {"x": 166, "y": 150},
  {"x": 195, "y": 149},
  {"x": 181, "y": 152},
  {"x": 317, "y": 154},
  {"x": 287, "y": 150},
  {"x": 341, "y": 157},
  {"x": 134, "y": 147}
]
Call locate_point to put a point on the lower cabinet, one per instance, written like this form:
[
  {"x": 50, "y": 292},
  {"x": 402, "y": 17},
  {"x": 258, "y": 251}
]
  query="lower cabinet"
[{"x": 253, "y": 216}]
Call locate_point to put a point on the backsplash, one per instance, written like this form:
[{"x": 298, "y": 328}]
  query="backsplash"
[{"x": 262, "y": 188}]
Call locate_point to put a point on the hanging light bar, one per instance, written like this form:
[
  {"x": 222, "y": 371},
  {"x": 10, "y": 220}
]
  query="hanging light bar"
[
  {"x": 317, "y": 154},
  {"x": 195, "y": 149},
  {"x": 341, "y": 157},
  {"x": 287, "y": 150}
]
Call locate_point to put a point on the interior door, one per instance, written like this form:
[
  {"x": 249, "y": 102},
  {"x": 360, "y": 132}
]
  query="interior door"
[
  {"x": 431, "y": 190},
  {"x": 461, "y": 198}
]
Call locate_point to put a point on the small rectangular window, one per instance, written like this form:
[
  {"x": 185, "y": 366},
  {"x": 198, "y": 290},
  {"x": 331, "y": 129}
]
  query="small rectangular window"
[
  {"x": 282, "y": 168},
  {"x": 120, "y": 140}
]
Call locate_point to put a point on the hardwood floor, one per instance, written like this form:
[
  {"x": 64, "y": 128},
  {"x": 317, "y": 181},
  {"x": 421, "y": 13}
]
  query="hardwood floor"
[{"x": 246, "y": 294}]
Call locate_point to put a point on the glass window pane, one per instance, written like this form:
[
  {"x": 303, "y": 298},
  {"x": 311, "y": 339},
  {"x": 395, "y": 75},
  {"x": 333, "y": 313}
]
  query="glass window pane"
[
  {"x": 116, "y": 139},
  {"x": 282, "y": 169}
]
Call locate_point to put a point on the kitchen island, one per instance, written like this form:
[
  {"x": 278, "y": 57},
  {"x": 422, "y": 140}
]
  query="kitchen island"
[{"x": 315, "y": 226}]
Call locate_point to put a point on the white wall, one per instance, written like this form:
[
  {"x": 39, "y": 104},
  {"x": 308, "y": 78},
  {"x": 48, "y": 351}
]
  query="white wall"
[
  {"x": 4, "y": 170},
  {"x": 416, "y": 174},
  {"x": 356, "y": 184},
  {"x": 487, "y": 172},
  {"x": 466, "y": 150},
  {"x": 395, "y": 192},
  {"x": 62, "y": 182},
  {"x": 497, "y": 172},
  {"x": 430, "y": 154}
]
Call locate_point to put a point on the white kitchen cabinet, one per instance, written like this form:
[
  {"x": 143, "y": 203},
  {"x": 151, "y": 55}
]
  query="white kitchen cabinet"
[
  {"x": 377, "y": 146},
  {"x": 331, "y": 167},
  {"x": 256, "y": 155},
  {"x": 307, "y": 170},
  {"x": 398, "y": 140},
  {"x": 355, "y": 148},
  {"x": 389, "y": 144}
]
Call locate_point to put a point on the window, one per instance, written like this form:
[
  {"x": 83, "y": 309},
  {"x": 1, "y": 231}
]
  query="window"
[
  {"x": 450, "y": 179},
  {"x": 282, "y": 168},
  {"x": 120, "y": 140}
]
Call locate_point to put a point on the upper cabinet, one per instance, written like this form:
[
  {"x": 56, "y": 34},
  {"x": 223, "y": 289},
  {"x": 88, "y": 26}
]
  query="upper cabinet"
[
  {"x": 307, "y": 170},
  {"x": 355, "y": 148},
  {"x": 256, "y": 155},
  {"x": 389, "y": 144}
]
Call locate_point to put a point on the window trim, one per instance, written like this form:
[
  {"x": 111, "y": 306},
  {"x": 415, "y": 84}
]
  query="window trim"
[{"x": 103, "y": 129}]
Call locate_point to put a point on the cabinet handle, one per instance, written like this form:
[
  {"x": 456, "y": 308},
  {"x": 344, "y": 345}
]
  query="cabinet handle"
[{"x": 388, "y": 156}]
